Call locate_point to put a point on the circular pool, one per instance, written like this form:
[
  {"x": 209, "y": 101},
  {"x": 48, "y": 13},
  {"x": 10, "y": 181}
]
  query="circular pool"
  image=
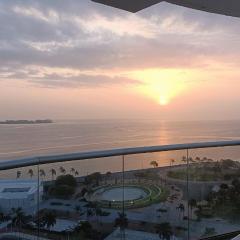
[
  {"x": 135, "y": 196},
  {"x": 116, "y": 194}
]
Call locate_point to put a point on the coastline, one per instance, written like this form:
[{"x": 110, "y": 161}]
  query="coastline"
[{"x": 38, "y": 121}]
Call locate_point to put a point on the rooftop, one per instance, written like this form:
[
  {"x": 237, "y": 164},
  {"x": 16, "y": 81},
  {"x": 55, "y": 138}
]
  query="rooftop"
[{"x": 16, "y": 188}]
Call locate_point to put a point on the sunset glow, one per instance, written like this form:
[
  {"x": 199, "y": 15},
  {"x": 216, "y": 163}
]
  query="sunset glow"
[
  {"x": 161, "y": 85},
  {"x": 84, "y": 60}
]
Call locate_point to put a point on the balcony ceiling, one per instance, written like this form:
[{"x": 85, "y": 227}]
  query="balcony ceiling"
[
  {"x": 129, "y": 5},
  {"x": 224, "y": 7}
]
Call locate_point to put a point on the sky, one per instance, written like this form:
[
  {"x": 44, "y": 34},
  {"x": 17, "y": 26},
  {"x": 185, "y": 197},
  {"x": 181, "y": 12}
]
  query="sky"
[{"x": 78, "y": 60}]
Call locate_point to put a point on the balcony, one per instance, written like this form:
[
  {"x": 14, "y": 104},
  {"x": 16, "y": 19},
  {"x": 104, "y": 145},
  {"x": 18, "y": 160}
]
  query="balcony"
[{"x": 182, "y": 191}]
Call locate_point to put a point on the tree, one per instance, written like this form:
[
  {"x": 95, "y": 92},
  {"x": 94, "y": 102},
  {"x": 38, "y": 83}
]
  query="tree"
[
  {"x": 192, "y": 203},
  {"x": 68, "y": 180},
  {"x": 107, "y": 177},
  {"x": 191, "y": 160},
  {"x": 89, "y": 212},
  {"x": 48, "y": 219},
  {"x": 77, "y": 208},
  {"x": 62, "y": 191},
  {"x": 62, "y": 170},
  {"x": 184, "y": 159},
  {"x": 3, "y": 217},
  {"x": 98, "y": 212},
  {"x": 93, "y": 178},
  {"x": 181, "y": 208},
  {"x": 109, "y": 174},
  {"x": 30, "y": 173},
  {"x": 84, "y": 229},
  {"x": 121, "y": 221},
  {"x": 19, "y": 173},
  {"x": 164, "y": 230},
  {"x": 42, "y": 173},
  {"x": 19, "y": 218},
  {"x": 209, "y": 231},
  {"x": 224, "y": 186},
  {"x": 76, "y": 173},
  {"x": 205, "y": 159},
  {"x": 72, "y": 170},
  {"x": 64, "y": 186},
  {"x": 53, "y": 173},
  {"x": 154, "y": 164},
  {"x": 198, "y": 159},
  {"x": 172, "y": 161}
]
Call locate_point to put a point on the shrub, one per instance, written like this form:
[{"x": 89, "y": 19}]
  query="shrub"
[
  {"x": 64, "y": 187},
  {"x": 93, "y": 178},
  {"x": 67, "y": 180},
  {"x": 63, "y": 191}
]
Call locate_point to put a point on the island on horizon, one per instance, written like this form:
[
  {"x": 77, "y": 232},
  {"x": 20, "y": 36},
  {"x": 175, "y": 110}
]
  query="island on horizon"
[{"x": 39, "y": 121}]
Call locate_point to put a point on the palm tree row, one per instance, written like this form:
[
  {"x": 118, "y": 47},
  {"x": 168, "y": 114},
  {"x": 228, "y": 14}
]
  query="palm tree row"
[
  {"x": 196, "y": 160},
  {"x": 52, "y": 171},
  {"x": 184, "y": 160}
]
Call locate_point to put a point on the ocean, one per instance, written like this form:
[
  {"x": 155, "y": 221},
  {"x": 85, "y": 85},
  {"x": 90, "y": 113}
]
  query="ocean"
[{"x": 18, "y": 141}]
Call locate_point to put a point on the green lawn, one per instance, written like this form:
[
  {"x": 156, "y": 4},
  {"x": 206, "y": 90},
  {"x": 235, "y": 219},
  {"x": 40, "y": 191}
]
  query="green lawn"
[{"x": 195, "y": 174}]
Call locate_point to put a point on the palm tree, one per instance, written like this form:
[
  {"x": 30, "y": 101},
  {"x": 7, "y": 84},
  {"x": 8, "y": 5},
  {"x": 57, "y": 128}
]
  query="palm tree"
[
  {"x": 181, "y": 208},
  {"x": 2, "y": 216},
  {"x": 30, "y": 173},
  {"x": 197, "y": 159},
  {"x": 62, "y": 170},
  {"x": 172, "y": 161},
  {"x": 98, "y": 212},
  {"x": 84, "y": 229},
  {"x": 154, "y": 164},
  {"x": 76, "y": 173},
  {"x": 48, "y": 219},
  {"x": 53, "y": 173},
  {"x": 108, "y": 175},
  {"x": 192, "y": 203},
  {"x": 204, "y": 159},
  {"x": 19, "y": 173},
  {"x": 89, "y": 213},
  {"x": 77, "y": 208},
  {"x": 18, "y": 217},
  {"x": 121, "y": 221},
  {"x": 184, "y": 159},
  {"x": 191, "y": 160},
  {"x": 42, "y": 173},
  {"x": 164, "y": 230},
  {"x": 72, "y": 170}
]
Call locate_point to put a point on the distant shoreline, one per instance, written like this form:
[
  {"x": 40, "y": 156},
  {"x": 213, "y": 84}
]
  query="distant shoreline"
[{"x": 39, "y": 121}]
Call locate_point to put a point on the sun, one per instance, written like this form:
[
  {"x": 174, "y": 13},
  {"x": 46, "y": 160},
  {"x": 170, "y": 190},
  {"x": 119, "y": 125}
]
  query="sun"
[
  {"x": 163, "y": 101},
  {"x": 160, "y": 85}
]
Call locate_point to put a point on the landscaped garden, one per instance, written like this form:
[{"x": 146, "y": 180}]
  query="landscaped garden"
[
  {"x": 224, "y": 202},
  {"x": 136, "y": 196},
  {"x": 223, "y": 170}
]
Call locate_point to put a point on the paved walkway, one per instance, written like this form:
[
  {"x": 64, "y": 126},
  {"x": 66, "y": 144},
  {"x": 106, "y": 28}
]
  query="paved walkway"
[{"x": 22, "y": 236}]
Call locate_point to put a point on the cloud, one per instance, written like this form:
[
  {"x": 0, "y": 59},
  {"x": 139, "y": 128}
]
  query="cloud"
[
  {"x": 84, "y": 36},
  {"x": 62, "y": 78},
  {"x": 31, "y": 12}
]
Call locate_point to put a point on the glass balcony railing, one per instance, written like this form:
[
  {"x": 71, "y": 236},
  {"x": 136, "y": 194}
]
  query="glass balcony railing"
[{"x": 186, "y": 191}]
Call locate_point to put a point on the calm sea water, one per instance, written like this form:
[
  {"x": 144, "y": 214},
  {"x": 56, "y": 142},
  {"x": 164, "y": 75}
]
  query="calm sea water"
[{"x": 74, "y": 136}]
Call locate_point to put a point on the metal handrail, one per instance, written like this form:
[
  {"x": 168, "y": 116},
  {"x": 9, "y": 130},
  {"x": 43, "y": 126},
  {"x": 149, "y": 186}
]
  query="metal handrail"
[{"x": 32, "y": 161}]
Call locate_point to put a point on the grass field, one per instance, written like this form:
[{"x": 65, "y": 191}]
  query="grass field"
[{"x": 195, "y": 174}]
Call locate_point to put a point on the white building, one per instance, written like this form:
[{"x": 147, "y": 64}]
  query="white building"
[
  {"x": 236, "y": 238},
  {"x": 20, "y": 193}
]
